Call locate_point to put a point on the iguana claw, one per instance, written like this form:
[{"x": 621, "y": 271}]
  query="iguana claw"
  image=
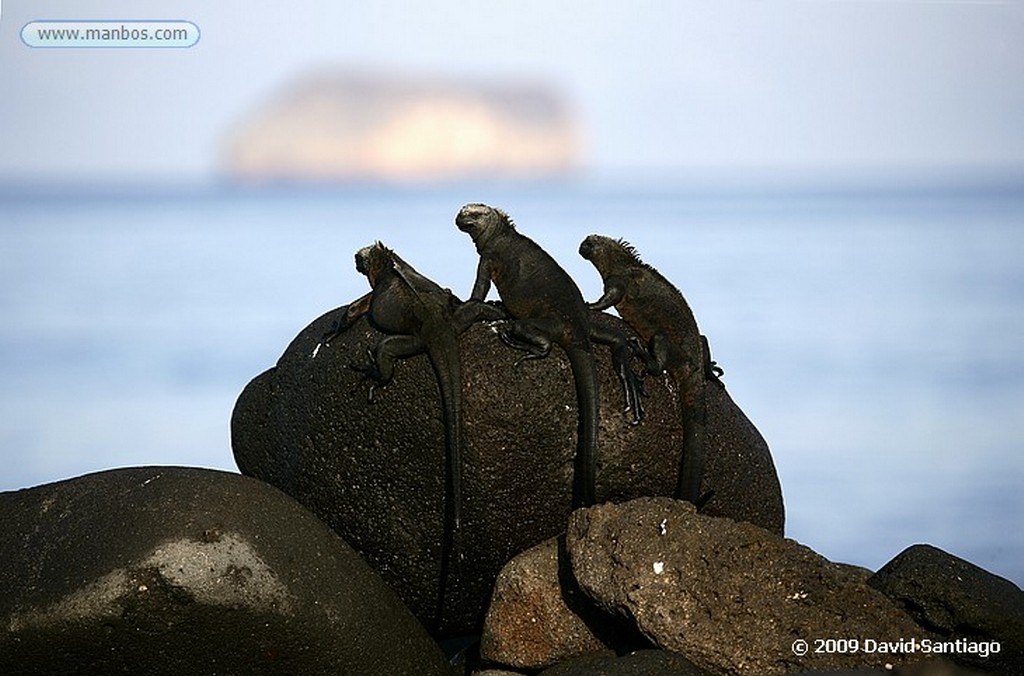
[
  {"x": 633, "y": 385},
  {"x": 370, "y": 372}
]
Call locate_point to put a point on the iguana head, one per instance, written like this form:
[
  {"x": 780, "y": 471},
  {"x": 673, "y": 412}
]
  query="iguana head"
[
  {"x": 482, "y": 222},
  {"x": 371, "y": 260},
  {"x": 605, "y": 252}
]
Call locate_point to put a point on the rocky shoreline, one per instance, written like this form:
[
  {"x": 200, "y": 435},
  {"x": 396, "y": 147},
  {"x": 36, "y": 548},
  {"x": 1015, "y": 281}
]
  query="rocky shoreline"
[
  {"x": 326, "y": 556},
  {"x": 182, "y": 570}
]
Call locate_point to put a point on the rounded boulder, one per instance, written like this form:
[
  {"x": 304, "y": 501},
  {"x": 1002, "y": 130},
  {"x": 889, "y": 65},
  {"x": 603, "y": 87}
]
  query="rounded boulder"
[{"x": 169, "y": 570}]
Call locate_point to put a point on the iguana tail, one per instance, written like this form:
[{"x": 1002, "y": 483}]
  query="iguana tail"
[
  {"x": 691, "y": 472},
  {"x": 444, "y": 358},
  {"x": 584, "y": 374}
]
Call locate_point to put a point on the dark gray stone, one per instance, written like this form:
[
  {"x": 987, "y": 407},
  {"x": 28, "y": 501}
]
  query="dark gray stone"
[
  {"x": 374, "y": 471},
  {"x": 957, "y": 600},
  {"x": 167, "y": 570},
  {"x": 739, "y": 467},
  {"x": 728, "y": 596},
  {"x": 929, "y": 668}
]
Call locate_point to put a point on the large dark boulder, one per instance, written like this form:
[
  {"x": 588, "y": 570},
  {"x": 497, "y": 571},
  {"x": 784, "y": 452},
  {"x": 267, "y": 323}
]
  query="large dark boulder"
[
  {"x": 167, "y": 570},
  {"x": 739, "y": 471},
  {"x": 969, "y": 609},
  {"x": 729, "y": 596},
  {"x": 374, "y": 471}
]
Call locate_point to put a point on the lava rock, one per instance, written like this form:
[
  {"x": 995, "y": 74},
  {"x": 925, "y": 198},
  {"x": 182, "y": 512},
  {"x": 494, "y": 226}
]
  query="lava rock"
[
  {"x": 538, "y": 616},
  {"x": 166, "y": 570},
  {"x": 528, "y": 624},
  {"x": 957, "y": 600},
  {"x": 374, "y": 471},
  {"x": 728, "y": 596},
  {"x": 738, "y": 468},
  {"x": 639, "y": 663},
  {"x": 937, "y": 667}
]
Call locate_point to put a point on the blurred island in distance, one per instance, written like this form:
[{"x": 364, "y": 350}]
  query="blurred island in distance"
[{"x": 349, "y": 126}]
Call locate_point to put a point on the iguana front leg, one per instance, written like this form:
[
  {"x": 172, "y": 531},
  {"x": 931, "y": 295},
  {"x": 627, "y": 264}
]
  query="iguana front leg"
[
  {"x": 472, "y": 311},
  {"x": 482, "y": 284},
  {"x": 613, "y": 293},
  {"x": 622, "y": 349},
  {"x": 352, "y": 312}
]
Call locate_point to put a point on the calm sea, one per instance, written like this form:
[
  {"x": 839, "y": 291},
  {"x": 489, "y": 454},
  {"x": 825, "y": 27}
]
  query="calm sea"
[{"x": 874, "y": 337}]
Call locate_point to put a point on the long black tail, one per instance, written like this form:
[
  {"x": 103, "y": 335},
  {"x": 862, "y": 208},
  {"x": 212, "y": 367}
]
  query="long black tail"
[
  {"x": 444, "y": 357},
  {"x": 691, "y": 472},
  {"x": 584, "y": 374}
]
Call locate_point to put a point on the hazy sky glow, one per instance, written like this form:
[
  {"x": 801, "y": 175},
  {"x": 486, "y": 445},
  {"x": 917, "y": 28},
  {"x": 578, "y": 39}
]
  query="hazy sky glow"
[{"x": 684, "y": 86}]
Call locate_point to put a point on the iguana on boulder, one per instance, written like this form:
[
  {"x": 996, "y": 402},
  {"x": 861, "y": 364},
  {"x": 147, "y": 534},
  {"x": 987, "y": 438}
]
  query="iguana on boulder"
[
  {"x": 420, "y": 318},
  {"x": 661, "y": 316},
  {"x": 547, "y": 308}
]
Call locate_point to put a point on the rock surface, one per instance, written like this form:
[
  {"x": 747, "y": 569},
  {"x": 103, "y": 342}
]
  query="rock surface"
[
  {"x": 936, "y": 667},
  {"x": 380, "y": 127},
  {"x": 957, "y": 600},
  {"x": 374, "y": 471},
  {"x": 730, "y": 597},
  {"x": 538, "y": 617},
  {"x": 739, "y": 468},
  {"x": 165, "y": 570},
  {"x": 639, "y": 663},
  {"x": 528, "y": 623}
]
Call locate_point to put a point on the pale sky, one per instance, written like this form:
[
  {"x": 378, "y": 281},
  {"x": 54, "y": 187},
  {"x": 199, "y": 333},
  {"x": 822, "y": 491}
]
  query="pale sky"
[{"x": 673, "y": 85}]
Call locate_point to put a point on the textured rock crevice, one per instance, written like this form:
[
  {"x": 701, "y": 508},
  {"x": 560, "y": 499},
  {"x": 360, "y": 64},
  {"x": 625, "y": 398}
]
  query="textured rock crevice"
[{"x": 538, "y": 616}]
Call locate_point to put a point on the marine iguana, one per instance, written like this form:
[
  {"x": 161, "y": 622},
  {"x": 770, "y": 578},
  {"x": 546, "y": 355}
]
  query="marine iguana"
[
  {"x": 547, "y": 307},
  {"x": 420, "y": 317},
  {"x": 658, "y": 312}
]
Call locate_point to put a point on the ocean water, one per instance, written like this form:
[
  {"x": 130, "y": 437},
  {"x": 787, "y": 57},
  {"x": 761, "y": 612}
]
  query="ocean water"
[{"x": 874, "y": 337}]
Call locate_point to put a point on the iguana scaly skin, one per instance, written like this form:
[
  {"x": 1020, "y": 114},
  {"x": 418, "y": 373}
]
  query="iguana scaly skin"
[
  {"x": 547, "y": 308},
  {"x": 661, "y": 316},
  {"x": 420, "y": 317}
]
